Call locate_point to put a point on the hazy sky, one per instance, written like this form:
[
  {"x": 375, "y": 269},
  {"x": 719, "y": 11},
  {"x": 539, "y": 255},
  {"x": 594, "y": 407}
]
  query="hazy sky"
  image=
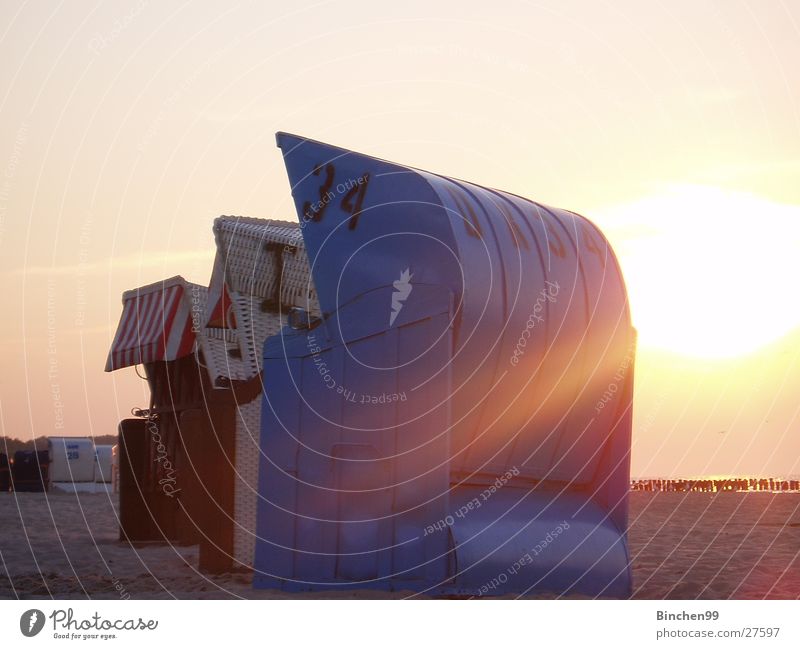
[{"x": 125, "y": 128}]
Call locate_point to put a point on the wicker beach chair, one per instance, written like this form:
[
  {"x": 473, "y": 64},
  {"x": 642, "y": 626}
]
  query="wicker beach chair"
[
  {"x": 174, "y": 328},
  {"x": 262, "y": 268}
]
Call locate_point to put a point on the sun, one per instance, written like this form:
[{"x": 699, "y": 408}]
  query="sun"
[{"x": 710, "y": 273}]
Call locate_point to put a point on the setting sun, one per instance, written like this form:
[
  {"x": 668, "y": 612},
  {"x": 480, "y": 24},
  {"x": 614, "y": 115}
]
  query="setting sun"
[{"x": 709, "y": 273}]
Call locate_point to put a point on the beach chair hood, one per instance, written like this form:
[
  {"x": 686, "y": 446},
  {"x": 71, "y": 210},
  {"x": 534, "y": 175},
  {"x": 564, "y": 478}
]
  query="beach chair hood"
[
  {"x": 464, "y": 394},
  {"x": 159, "y": 322}
]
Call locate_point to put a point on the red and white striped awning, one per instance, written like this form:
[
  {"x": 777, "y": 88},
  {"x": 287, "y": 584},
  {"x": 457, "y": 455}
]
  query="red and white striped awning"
[{"x": 156, "y": 324}]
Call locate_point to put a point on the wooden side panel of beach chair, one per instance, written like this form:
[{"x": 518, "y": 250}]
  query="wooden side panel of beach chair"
[
  {"x": 5, "y": 474},
  {"x": 248, "y": 423},
  {"x": 211, "y": 451},
  {"x": 135, "y": 517},
  {"x": 264, "y": 268}
]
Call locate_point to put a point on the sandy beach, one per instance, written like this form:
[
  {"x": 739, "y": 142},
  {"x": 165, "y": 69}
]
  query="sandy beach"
[{"x": 683, "y": 546}]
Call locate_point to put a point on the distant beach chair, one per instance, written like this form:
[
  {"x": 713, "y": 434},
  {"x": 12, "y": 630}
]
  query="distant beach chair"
[
  {"x": 30, "y": 471},
  {"x": 5, "y": 473}
]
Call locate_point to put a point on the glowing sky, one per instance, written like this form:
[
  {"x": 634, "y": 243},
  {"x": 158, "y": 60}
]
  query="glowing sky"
[{"x": 126, "y": 128}]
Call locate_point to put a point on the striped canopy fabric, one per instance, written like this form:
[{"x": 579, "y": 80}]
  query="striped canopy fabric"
[{"x": 158, "y": 323}]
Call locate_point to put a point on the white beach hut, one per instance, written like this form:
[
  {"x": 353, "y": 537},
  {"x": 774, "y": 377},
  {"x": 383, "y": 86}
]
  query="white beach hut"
[
  {"x": 72, "y": 463},
  {"x": 103, "y": 464}
]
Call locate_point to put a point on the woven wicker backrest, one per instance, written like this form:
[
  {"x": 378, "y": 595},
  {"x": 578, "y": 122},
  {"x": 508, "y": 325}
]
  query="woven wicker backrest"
[
  {"x": 255, "y": 252},
  {"x": 265, "y": 268}
]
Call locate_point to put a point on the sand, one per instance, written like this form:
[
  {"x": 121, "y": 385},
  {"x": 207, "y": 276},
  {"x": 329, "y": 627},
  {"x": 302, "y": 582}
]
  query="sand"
[
  {"x": 715, "y": 546},
  {"x": 683, "y": 546}
]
